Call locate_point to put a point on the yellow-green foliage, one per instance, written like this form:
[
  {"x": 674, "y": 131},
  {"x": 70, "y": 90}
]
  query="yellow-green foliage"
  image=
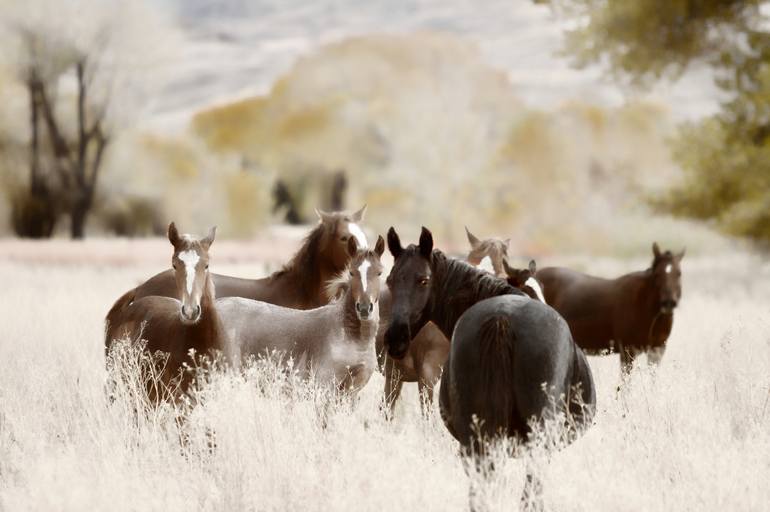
[{"x": 424, "y": 128}]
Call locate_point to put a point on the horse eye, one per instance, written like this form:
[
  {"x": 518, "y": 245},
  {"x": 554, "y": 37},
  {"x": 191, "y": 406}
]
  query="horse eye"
[
  {"x": 344, "y": 238},
  {"x": 174, "y": 265},
  {"x": 423, "y": 281},
  {"x": 207, "y": 266}
]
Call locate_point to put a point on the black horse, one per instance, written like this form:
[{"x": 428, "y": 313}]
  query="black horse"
[{"x": 511, "y": 358}]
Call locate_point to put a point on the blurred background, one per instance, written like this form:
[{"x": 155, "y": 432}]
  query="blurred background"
[{"x": 568, "y": 125}]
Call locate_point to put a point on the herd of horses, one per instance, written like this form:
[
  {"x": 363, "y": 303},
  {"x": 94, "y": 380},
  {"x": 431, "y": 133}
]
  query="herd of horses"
[{"x": 509, "y": 345}]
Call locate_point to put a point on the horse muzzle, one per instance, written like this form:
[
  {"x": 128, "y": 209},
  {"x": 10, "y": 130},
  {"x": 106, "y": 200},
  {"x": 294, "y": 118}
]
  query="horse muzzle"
[
  {"x": 397, "y": 340},
  {"x": 667, "y": 306},
  {"x": 364, "y": 310},
  {"x": 190, "y": 314}
]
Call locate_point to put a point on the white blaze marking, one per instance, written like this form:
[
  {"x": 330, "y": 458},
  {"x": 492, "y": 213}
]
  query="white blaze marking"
[
  {"x": 668, "y": 268},
  {"x": 359, "y": 235},
  {"x": 190, "y": 259},
  {"x": 363, "y": 269},
  {"x": 532, "y": 283}
]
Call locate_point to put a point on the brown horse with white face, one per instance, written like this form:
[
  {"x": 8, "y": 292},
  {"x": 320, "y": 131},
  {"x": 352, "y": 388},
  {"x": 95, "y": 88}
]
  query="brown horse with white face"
[
  {"x": 174, "y": 326},
  {"x": 631, "y": 314},
  {"x": 525, "y": 279},
  {"x": 333, "y": 344},
  {"x": 301, "y": 282}
]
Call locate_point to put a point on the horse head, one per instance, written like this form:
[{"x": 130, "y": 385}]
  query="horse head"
[{"x": 191, "y": 269}]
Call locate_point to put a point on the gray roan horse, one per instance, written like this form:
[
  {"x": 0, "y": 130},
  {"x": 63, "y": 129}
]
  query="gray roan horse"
[
  {"x": 630, "y": 314},
  {"x": 174, "y": 326},
  {"x": 333, "y": 344},
  {"x": 301, "y": 283},
  {"x": 511, "y": 358}
]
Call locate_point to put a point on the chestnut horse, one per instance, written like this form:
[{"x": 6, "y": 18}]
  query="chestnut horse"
[
  {"x": 301, "y": 282},
  {"x": 629, "y": 315},
  {"x": 333, "y": 344},
  {"x": 174, "y": 326},
  {"x": 511, "y": 358},
  {"x": 429, "y": 349}
]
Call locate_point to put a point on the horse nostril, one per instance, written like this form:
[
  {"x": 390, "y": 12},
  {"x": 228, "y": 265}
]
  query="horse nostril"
[{"x": 371, "y": 307}]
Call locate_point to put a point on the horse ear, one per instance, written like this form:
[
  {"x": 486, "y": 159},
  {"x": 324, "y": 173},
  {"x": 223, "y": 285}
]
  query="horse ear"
[
  {"x": 359, "y": 215},
  {"x": 173, "y": 234},
  {"x": 507, "y": 242},
  {"x": 352, "y": 246},
  {"x": 323, "y": 216},
  {"x": 394, "y": 243},
  {"x": 510, "y": 272},
  {"x": 532, "y": 267},
  {"x": 471, "y": 238},
  {"x": 426, "y": 242},
  {"x": 379, "y": 247},
  {"x": 655, "y": 250},
  {"x": 681, "y": 254},
  {"x": 206, "y": 242}
]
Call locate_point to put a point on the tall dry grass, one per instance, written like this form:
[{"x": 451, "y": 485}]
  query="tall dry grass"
[{"x": 693, "y": 435}]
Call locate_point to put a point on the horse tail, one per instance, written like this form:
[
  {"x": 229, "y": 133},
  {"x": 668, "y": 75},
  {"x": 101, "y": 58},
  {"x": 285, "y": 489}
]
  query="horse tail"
[
  {"x": 113, "y": 316},
  {"x": 496, "y": 352}
]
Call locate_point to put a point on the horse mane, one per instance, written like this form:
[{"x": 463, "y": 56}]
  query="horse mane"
[
  {"x": 458, "y": 285},
  {"x": 337, "y": 286},
  {"x": 304, "y": 263}
]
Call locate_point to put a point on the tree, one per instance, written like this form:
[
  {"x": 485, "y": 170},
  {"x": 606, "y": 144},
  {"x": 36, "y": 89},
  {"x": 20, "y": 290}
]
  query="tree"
[
  {"x": 725, "y": 157},
  {"x": 86, "y": 68}
]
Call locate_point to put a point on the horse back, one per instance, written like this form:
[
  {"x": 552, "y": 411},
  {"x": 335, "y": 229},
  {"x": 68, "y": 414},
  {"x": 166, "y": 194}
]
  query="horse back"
[{"x": 502, "y": 351}]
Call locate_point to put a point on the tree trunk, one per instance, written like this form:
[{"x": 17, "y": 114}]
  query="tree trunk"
[{"x": 80, "y": 209}]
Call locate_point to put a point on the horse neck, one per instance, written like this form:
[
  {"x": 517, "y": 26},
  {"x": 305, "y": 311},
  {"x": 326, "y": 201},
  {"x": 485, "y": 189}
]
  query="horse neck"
[
  {"x": 307, "y": 272},
  {"x": 209, "y": 327},
  {"x": 640, "y": 287},
  {"x": 447, "y": 302},
  {"x": 355, "y": 329}
]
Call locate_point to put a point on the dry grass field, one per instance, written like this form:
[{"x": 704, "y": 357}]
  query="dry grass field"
[{"x": 693, "y": 435}]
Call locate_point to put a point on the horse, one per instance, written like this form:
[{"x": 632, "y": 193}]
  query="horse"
[
  {"x": 525, "y": 279},
  {"x": 488, "y": 253},
  {"x": 332, "y": 344},
  {"x": 629, "y": 315},
  {"x": 429, "y": 349},
  {"x": 300, "y": 284},
  {"x": 511, "y": 358},
  {"x": 174, "y": 326}
]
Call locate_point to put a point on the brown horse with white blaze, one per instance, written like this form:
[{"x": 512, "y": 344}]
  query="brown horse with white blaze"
[
  {"x": 174, "y": 326},
  {"x": 300, "y": 284},
  {"x": 630, "y": 315}
]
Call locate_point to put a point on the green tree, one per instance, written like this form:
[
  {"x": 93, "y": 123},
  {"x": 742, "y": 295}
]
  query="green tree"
[{"x": 725, "y": 157}]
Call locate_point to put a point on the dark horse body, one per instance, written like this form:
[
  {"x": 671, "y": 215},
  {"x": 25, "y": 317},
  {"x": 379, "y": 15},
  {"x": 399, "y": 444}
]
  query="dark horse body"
[
  {"x": 301, "y": 283},
  {"x": 511, "y": 358},
  {"x": 629, "y": 315}
]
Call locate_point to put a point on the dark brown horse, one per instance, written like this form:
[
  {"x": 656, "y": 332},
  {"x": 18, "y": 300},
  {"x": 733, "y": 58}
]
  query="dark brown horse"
[
  {"x": 301, "y": 282},
  {"x": 175, "y": 326},
  {"x": 629, "y": 315},
  {"x": 429, "y": 349},
  {"x": 511, "y": 358}
]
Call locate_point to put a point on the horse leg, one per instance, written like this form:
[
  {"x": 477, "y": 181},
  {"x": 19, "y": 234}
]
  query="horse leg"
[
  {"x": 426, "y": 383},
  {"x": 627, "y": 357},
  {"x": 655, "y": 354},
  {"x": 393, "y": 385}
]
